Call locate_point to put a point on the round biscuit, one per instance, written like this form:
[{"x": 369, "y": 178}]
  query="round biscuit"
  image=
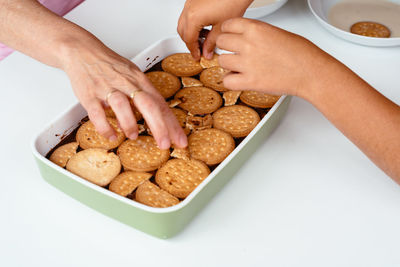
[
  {"x": 142, "y": 154},
  {"x": 180, "y": 177},
  {"x": 199, "y": 100},
  {"x": 126, "y": 182},
  {"x": 88, "y": 137},
  {"x": 181, "y": 117},
  {"x": 166, "y": 83},
  {"x": 214, "y": 78},
  {"x": 62, "y": 154},
  {"x": 211, "y": 146},
  {"x": 258, "y": 99},
  {"x": 370, "y": 29},
  {"x": 237, "y": 120},
  {"x": 181, "y": 64},
  {"x": 95, "y": 165},
  {"x": 153, "y": 196}
]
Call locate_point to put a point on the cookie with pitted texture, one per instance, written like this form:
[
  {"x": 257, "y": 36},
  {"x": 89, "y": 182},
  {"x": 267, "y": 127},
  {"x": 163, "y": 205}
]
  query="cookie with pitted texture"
[
  {"x": 258, "y": 99},
  {"x": 199, "y": 100},
  {"x": 180, "y": 177},
  {"x": 142, "y": 154},
  {"x": 237, "y": 120},
  {"x": 211, "y": 146},
  {"x": 214, "y": 78},
  {"x": 231, "y": 97},
  {"x": 95, "y": 165},
  {"x": 126, "y": 182},
  {"x": 370, "y": 29},
  {"x": 209, "y": 63},
  {"x": 181, "y": 117},
  {"x": 190, "y": 82},
  {"x": 153, "y": 196},
  {"x": 166, "y": 83},
  {"x": 88, "y": 137},
  {"x": 196, "y": 123},
  {"x": 181, "y": 64},
  {"x": 62, "y": 154},
  {"x": 181, "y": 153}
]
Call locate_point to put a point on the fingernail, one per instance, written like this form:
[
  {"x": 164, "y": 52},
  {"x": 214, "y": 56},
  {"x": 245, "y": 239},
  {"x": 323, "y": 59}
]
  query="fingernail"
[
  {"x": 183, "y": 141},
  {"x": 198, "y": 54},
  {"x": 133, "y": 136},
  {"x": 113, "y": 138},
  {"x": 165, "y": 144}
]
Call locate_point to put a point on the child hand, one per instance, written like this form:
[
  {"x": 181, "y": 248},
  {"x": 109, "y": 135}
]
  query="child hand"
[
  {"x": 200, "y": 13},
  {"x": 267, "y": 58}
]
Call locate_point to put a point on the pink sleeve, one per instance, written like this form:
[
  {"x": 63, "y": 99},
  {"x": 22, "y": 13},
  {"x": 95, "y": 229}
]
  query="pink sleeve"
[{"x": 60, "y": 7}]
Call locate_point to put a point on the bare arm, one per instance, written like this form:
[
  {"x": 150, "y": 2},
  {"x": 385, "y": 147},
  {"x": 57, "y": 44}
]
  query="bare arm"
[
  {"x": 275, "y": 61},
  {"x": 94, "y": 70}
]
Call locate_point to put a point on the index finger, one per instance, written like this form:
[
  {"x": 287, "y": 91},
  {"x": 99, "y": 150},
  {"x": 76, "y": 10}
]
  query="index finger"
[
  {"x": 191, "y": 38},
  {"x": 235, "y": 25}
]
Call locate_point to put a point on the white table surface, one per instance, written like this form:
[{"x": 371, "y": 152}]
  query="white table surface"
[{"x": 306, "y": 197}]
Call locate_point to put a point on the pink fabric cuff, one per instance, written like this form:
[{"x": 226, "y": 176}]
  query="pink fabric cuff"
[{"x": 60, "y": 7}]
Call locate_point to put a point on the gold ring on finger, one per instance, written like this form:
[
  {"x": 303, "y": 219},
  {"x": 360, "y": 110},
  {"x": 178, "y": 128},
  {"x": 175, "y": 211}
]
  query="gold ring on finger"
[
  {"x": 134, "y": 93},
  {"x": 109, "y": 95}
]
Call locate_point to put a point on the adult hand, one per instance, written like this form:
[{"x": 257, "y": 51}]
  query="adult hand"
[
  {"x": 200, "y": 13},
  {"x": 98, "y": 75}
]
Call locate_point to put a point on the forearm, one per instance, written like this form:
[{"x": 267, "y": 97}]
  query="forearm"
[
  {"x": 366, "y": 117},
  {"x": 27, "y": 26}
]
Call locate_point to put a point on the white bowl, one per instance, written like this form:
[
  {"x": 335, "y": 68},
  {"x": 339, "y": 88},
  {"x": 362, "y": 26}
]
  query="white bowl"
[
  {"x": 258, "y": 12},
  {"x": 320, "y": 9}
]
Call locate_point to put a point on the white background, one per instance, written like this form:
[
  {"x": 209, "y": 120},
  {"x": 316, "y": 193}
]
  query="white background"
[{"x": 306, "y": 197}]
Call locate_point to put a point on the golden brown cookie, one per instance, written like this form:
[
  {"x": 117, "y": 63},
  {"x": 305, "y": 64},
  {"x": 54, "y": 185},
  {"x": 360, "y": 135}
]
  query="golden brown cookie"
[
  {"x": 196, "y": 123},
  {"x": 237, "y": 120},
  {"x": 190, "y": 82},
  {"x": 166, "y": 83},
  {"x": 211, "y": 146},
  {"x": 180, "y": 177},
  {"x": 126, "y": 182},
  {"x": 95, "y": 165},
  {"x": 213, "y": 78},
  {"x": 231, "y": 97},
  {"x": 209, "y": 63},
  {"x": 153, "y": 196},
  {"x": 258, "y": 99},
  {"x": 199, "y": 100},
  {"x": 181, "y": 153},
  {"x": 62, "y": 154},
  {"x": 181, "y": 117},
  {"x": 181, "y": 64},
  {"x": 88, "y": 137},
  {"x": 370, "y": 29},
  {"x": 174, "y": 102},
  {"x": 142, "y": 154}
]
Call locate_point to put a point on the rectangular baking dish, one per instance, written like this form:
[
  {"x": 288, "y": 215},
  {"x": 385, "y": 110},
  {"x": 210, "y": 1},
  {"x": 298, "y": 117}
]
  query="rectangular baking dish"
[{"x": 159, "y": 222}]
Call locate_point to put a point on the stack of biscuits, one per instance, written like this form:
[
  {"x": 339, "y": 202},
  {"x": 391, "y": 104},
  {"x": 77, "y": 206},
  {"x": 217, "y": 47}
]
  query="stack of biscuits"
[{"x": 214, "y": 118}]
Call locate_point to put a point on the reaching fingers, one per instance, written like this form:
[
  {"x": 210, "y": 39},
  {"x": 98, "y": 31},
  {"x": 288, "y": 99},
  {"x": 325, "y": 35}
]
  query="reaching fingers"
[
  {"x": 235, "y": 81},
  {"x": 98, "y": 117},
  {"x": 235, "y": 25},
  {"x": 231, "y": 62},
  {"x": 123, "y": 110},
  {"x": 191, "y": 38},
  {"x": 230, "y": 42},
  {"x": 154, "y": 118},
  {"x": 209, "y": 43}
]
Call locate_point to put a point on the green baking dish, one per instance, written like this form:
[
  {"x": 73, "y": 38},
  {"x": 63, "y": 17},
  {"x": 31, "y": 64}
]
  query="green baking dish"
[{"x": 159, "y": 222}]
